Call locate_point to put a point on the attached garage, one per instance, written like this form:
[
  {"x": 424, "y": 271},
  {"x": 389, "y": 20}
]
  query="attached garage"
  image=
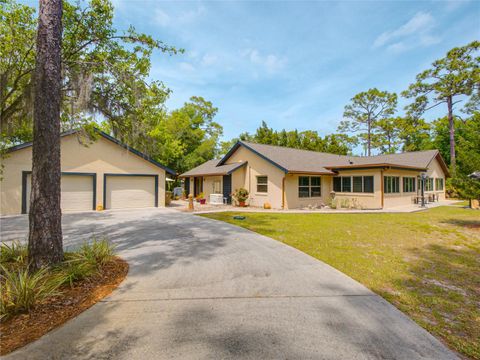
[
  {"x": 130, "y": 191},
  {"x": 78, "y": 191},
  {"x": 96, "y": 173}
]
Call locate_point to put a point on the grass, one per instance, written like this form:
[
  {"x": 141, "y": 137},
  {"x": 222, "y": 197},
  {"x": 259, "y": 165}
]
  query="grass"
[{"x": 427, "y": 264}]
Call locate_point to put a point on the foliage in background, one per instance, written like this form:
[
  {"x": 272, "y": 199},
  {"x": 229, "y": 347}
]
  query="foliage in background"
[
  {"x": 364, "y": 113},
  {"x": 104, "y": 70},
  {"x": 449, "y": 79},
  {"x": 307, "y": 140}
]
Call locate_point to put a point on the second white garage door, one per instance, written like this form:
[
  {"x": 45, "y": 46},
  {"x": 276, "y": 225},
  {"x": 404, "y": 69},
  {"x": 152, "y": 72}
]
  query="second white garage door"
[{"x": 129, "y": 191}]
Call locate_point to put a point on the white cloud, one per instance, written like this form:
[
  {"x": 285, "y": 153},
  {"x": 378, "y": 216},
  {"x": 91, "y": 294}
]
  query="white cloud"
[
  {"x": 164, "y": 19},
  {"x": 185, "y": 66},
  {"x": 270, "y": 62},
  {"x": 209, "y": 59},
  {"x": 418, "y": 28},
  {"x": 191, "y": 15},
  {"x": 161, "y": 18}
]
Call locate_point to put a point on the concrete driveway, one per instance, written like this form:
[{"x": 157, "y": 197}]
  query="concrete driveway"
[{"x": 202, "y": 289}]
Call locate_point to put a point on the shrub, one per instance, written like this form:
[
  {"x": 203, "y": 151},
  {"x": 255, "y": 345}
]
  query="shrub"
[
  {"x": 22, "y": 290},
  {"x": 241, "y": 195},
  {"x": 16, "y": 252},
  {"x": 96, "y": 253},
  {"x": 75, "y": 269}
]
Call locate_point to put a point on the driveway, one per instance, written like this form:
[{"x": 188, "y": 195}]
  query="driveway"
[{"x": 202, "y": 289}]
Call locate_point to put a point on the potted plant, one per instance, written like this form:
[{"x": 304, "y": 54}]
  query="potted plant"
[
  {"x": 241, "y": 195},
  {"x": 201, "y": 199}
]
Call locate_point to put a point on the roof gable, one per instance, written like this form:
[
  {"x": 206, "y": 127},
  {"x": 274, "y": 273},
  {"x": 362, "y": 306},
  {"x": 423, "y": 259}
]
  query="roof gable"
[{"x": 107, "y": 137}]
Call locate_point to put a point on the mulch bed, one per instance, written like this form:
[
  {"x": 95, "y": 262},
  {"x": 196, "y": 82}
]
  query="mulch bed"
[{"x": 22, "y": 329}]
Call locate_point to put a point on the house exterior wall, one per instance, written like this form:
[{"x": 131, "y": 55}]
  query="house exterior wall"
[
  {"x": 364, "y": 200},
  {"x": 257, "y": 166},
  {"x": 208, "y": 182},
  {"x": 435, "y": 170},
  {"x": 293, "y": 201},
  {"x": 401, "y": 198},
  {"x": 100, "y": 157}
]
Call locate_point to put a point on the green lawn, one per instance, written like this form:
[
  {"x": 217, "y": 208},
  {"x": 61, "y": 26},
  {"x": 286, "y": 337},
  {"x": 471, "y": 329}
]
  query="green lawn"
[{"x": 427, "y": 264}]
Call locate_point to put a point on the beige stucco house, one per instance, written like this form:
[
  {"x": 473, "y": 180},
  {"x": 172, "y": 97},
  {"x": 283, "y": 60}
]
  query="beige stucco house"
[
  {"x": 104, "y": 172},
  {"x": 287, "y": 178}
]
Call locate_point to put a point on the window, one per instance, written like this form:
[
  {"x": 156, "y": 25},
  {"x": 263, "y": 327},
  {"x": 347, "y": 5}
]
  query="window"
[
  {"x": 391, "y": 184},
  {"x": 357, "y": 184},
  {"x": 429, "y": 184},
  {"x": 309, "y": 186},
  {"x": 262, "y": 184},
  {"x": 439, "y": 184},
  {"x": 368, "y": 184},
  {"x": 360, "y": 184},
  {"x": 346, "y": 184},
  {"x": 408, "y": 184},
  {"x": 216, "y": 187},
  {"x": 337, "y": 184}
]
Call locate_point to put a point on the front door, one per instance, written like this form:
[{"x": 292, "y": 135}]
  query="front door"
[
  {"x": 227, "y": 188},
  {"x": 198, "y": 186}
]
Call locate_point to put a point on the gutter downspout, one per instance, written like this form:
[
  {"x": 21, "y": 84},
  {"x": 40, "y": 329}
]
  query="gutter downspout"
[
  {"x": 381, "y": 187},
  {"x": 283, "y": 193}
]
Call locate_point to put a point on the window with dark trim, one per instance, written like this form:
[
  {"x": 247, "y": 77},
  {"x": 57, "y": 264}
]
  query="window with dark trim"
[
  {"x": 262, "y": 184},
  {"x": 337, "y": 184},
  {"x": 429, "y": 184},
  {"x": 309, "y": 186},
  {"x": 346, "y": 184},
  {"x": 408, "y": 184},
  {"x": 391, "y": 184},
  {"x": 357, "y": 184},
  {"x": 368, "y": 184},
  {"x": 439, "y": 184}
]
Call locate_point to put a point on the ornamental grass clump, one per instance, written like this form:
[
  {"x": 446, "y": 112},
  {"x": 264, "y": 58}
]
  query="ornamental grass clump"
[
  {"x": 21, "y": 289},
  {"x": 15, "y": 252}
]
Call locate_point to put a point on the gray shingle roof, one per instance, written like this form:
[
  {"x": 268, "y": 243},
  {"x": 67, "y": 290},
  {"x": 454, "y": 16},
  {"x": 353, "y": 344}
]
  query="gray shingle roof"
[
  {"x": 210, "y": 168},
  {"x": 305, "y": 161}
]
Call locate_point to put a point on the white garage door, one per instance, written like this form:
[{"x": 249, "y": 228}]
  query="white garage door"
[
  {"x": 77, "y": 192},
  {"x": 129, "y": 192}
]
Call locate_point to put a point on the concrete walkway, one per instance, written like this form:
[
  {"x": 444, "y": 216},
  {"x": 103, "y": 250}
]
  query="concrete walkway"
[
  {"x": 202, "y": 289},
  {"x": 182, "y": 205}
]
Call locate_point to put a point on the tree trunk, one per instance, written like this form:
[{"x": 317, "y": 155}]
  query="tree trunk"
[
  {"x": 451, "y": 125},
  {"x": 45, "y": 238},
  {"x": 369, "y": 140}
]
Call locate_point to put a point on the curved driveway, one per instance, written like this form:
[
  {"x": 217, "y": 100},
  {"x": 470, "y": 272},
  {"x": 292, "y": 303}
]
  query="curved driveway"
[{"x": 202, "y": 289}]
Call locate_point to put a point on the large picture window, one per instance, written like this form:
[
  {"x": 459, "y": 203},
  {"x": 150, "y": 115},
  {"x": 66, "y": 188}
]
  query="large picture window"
[
  {"x": 439, "y": 184},
  {"x": 391, "y": 184},
  {"x": 309, "y": 186},
  {"x": 357, "y": 184},
  {"x": 262, "y": 184},
  {"x": 408, "y": 184}
]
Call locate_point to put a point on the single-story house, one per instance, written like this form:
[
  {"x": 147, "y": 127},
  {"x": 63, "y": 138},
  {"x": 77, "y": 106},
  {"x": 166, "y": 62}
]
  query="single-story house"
[
  {"x": 287, "y": 178},
  {"x": 104, "y": 172}
]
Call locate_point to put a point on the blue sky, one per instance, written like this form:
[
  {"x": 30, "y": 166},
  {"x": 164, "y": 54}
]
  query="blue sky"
[{"x": 295, "y": 64}]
